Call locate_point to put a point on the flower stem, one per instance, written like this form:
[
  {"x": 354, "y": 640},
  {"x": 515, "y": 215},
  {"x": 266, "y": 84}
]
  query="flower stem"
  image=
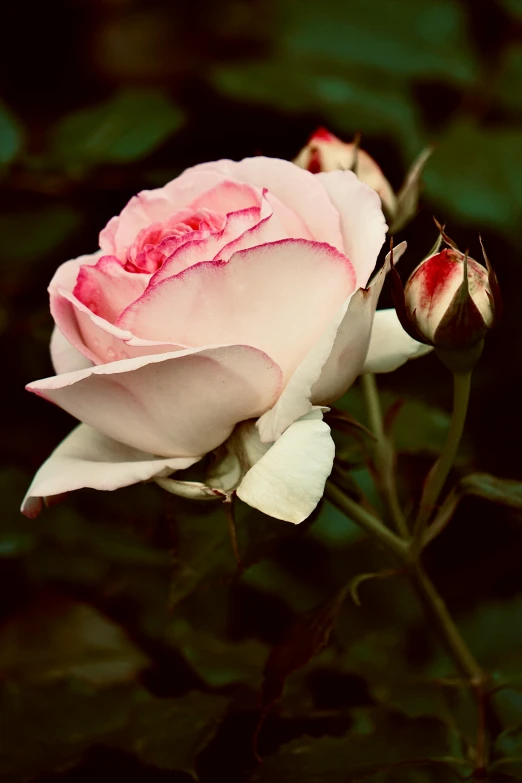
[
  {"x": 438, "y": 474},
  {"x": 384, "y": 454},
  {"x": 366, "y": 520},
  {"x": 449, "y": 632}
]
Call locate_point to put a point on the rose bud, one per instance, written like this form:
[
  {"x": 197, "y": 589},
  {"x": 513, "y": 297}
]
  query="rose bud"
[
  {"x": 450, "y": 302},
  {"x": 325, "y": 152}
]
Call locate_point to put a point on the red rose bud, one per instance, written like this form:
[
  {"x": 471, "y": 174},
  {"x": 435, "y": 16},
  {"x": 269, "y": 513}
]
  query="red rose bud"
[
  {"x": 450, "y": 301},
  {"x": 325, "y": 152}
]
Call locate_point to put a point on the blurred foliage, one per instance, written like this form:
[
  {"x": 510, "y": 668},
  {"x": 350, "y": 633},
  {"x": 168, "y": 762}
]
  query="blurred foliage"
[{"x": 130, "y": 643}]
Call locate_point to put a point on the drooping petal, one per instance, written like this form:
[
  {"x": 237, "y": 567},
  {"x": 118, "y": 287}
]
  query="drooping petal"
[
  {"x": 390, "y": 345},
  {"x": 64, "y": 357},
  {"x": 86, "y": 458},
  {"x": 296, "y": 188},
  {"x": 333, "y": 363},
  {"x": 288, "y": 480},
  {"x": 278, "y": 297},
  {"x": 173, "y": 405},
  {"x": 362, "y": 220}
]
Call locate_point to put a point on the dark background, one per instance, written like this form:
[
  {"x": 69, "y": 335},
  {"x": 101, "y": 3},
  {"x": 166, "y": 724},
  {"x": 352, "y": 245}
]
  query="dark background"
[{"x": 103, "y": 98}]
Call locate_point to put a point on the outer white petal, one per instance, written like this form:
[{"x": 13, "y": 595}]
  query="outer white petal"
[
  {"x": 64, "y": 356},
  {"x": 288, "y": 481},
  {"x": 390, "y": 345},
  {"x": 86, "y": 458}
]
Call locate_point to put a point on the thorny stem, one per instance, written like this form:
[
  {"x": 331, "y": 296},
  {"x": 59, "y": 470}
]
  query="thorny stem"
[{"x": 384, "y": 456}]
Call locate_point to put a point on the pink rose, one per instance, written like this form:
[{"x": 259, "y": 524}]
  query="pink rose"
[{"x": 223, "y": 308}]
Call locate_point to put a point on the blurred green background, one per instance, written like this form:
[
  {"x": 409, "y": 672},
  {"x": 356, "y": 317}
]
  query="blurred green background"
[{"x": 102, "y": 98}]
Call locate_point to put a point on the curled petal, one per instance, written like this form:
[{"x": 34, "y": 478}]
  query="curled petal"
[
  {"x": 287, "y": 482},
  {"x": 86, "y": 458}
]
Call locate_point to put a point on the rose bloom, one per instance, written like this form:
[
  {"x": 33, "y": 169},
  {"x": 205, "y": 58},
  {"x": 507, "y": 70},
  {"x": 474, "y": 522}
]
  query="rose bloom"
[{"x": 221, "y": 313}]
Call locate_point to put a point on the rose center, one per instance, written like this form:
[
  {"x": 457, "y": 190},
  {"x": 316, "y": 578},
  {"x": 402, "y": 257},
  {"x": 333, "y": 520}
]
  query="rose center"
[{"x": 157, "y": 242}]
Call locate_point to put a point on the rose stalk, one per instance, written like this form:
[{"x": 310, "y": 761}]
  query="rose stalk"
[{"x": 450, "y": 302}]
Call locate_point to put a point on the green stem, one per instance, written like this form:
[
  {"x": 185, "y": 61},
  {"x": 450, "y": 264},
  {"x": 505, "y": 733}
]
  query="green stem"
[
  {"x": 366, "y": 520},
  {"x": 438, "y": 474},
  {"x": 384, "y": 454},
  {"x": 449, "y": 632}
]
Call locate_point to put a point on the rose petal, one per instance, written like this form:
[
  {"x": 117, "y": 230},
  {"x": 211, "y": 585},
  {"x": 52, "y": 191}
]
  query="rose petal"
[
  {"x": 107, "y": 288},
  {"x": 294, "y": 187},
  {"x": 333, "y": 363},
  {"x": 288, "y": 481},
  {"x": 362, "y": 220},
  {"x": 277, "y": 297},
  {"x": 347, "y": 357},
  {"x": 173, "y": 405},
  {"x": 64, "y": 357},
  {"x": 207, "y": 249},
  {"x": 390, "y": 345},
  {"x": 152, "y": 206},
  {"x": 86, "y": 458}
]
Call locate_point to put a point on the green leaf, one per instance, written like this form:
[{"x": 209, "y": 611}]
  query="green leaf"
[
  {"x": 513, "y": 7},
  {"x": 202, "y": 547},
  {"x": 416, "y": 40},
  {"x": 219, "y": 661},
  {"x": 505, "y": 492},
  {"x": 56, "y": 638},
  {"x": 508, "y": 745},
  {"x": 129, "y": 126},
  {"x": 50, "y": 727},
  {"x": 475, "y": 173},
  {"x": 417, "y": 426},
  {"x": 391, "y": 741},
  {"x": 510, "y": 76},
  {"x": 11, "y": 136},
  {"x": 494, "y": 633},
  {"x": 103, "y": 559},
  {"x": 169, "y": 733},
  {"x": 29, "y": 235}
]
